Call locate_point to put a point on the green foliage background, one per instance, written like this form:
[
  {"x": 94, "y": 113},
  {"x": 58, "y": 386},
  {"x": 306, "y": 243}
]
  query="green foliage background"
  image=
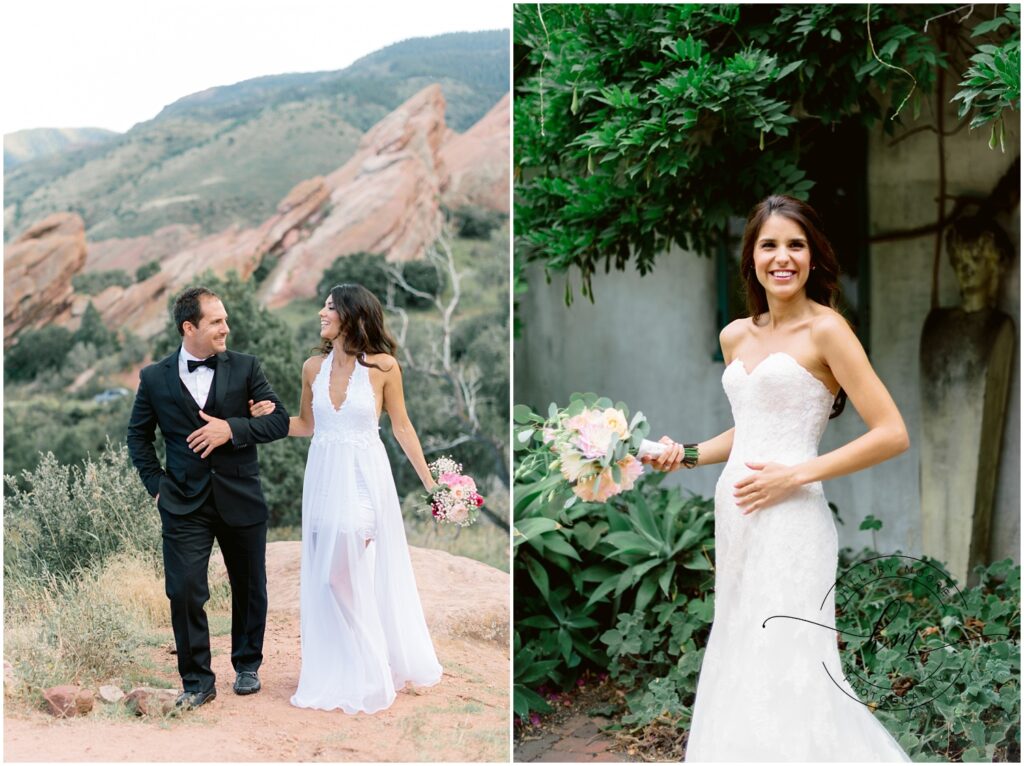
[
  {"x": 41, "y": 417},
  {"x": 627, "y": 586},
  {"x": 642, "y": 126}
]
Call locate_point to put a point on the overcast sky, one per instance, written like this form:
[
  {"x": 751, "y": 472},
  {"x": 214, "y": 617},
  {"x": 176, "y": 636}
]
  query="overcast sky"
[{"x": 113, "y": 63}]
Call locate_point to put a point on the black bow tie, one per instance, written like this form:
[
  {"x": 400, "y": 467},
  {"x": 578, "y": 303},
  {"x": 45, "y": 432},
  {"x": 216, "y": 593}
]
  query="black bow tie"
[{"x": 210, "y": 362}]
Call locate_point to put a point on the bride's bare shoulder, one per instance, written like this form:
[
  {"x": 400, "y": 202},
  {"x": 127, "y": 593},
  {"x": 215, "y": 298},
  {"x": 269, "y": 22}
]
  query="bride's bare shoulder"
[
  {"x": 311, "y": 366},
  {"x": 831, "y": 332},
  {"x": 731, "y": 335},
  {"x": 827, "y": 321}
]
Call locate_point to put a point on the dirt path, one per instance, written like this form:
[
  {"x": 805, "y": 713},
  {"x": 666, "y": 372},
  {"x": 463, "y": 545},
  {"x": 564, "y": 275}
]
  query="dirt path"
[{"x": 464, "y": 718}]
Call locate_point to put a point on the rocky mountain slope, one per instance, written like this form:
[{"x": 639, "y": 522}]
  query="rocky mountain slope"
[
  {"x": 227, "y": 155},
  {"x": 386, "y": 198}
]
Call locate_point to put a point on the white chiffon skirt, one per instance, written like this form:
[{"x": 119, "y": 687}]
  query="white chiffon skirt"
[{"x": 364, "y": 635}]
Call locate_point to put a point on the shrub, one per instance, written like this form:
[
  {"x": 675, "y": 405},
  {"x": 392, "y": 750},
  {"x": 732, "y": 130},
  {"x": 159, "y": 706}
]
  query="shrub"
[
  {"x": 477, "y": 223},
  {"x": 36, "y": 352},
  {"x": 70, "y": 429},
  {"x": 63, "y": 519},
  {"x": 83, "y": 579},
  {"x": 146, "y": 270},
  {"x": 70, "y": 630},
  {"x": 95, "y": 282},
  {"x": 586, "y": 575}
]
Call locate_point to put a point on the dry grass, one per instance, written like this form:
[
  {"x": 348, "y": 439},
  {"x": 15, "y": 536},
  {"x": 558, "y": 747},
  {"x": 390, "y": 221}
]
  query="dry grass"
[{"x": 94, "y": 627}]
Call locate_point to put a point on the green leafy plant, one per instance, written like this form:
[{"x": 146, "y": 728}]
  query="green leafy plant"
[
  {"x": 992, "y": 83},
  {"x": 627, "y": 586},
  {"x": 578, "y": 566},
  {"x": 634, "y": 122}
]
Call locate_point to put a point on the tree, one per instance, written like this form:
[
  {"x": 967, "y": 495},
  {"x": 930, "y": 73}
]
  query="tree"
[
  {"x": 361, "y": 268},
  {"x": 459, "y": 407},
  {"x": 371, "y": 271},
  {"x": 93, "y": 331},
  {"x": 643, "y": 126}
]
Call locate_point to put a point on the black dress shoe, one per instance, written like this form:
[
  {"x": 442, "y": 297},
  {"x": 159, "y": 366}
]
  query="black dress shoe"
[
  {"x": 190, "y": 700},
  {"x": 247, "y": 682}
]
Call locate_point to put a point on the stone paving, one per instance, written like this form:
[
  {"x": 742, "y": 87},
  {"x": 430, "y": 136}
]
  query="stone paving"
[{"x": 577, "y": 740}]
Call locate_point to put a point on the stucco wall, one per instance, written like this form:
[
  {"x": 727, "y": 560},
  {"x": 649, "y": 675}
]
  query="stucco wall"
[
  {"x": 903, "y": 190},
  {"x": 649, "y": 342}
]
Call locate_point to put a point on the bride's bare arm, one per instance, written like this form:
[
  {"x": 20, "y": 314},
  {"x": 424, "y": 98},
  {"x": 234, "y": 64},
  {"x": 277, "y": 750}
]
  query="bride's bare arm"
[
  {"x": 887, "y": 434},
  {"x": 714, "y": 450},
  {"x": 401, "y": 426},
  {"x": 303, "y": 424}
]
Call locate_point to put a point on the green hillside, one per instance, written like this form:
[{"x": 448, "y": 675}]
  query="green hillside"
[
  {"x": 24, "y": 145},
  {"x": 228, "y": 154}
]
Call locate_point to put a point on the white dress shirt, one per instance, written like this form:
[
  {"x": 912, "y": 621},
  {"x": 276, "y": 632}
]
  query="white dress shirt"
[{"x": 197, "y": 382}]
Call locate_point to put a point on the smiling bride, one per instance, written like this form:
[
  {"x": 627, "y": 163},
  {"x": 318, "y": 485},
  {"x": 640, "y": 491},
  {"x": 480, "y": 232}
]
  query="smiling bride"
[{"x": 763, "y": 694}]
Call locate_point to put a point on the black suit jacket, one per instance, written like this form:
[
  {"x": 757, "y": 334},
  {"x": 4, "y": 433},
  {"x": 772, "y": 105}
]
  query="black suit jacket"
[{"x": 231, "y": 471}]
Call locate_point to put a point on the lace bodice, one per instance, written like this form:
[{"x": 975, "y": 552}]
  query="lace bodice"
[
  {"x": 356, "y": 420},
  {"x": 781, "y": 418}
]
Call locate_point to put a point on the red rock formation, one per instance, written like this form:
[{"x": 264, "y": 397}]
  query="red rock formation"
[
  {"x": 128, "y": 254},
  {"x": 385, "y": 199},
  {"x": 143, "y": 306},
  {"x": 478, "y": 162},
  {"x": 38, "y": 267}
]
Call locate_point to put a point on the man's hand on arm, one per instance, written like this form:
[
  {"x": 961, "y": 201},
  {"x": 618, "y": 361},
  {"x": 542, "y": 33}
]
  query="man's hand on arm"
[{"x": 206, "y": 439}]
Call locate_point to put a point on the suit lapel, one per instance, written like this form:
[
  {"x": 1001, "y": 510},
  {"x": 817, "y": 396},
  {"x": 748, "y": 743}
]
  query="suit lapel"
[
  {"x": 220, "y": 384},
  {"x": 176, "y": 388}
]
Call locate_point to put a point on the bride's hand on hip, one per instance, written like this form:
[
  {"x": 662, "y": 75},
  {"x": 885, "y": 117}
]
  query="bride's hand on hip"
[{"x": 770, "y": 483}]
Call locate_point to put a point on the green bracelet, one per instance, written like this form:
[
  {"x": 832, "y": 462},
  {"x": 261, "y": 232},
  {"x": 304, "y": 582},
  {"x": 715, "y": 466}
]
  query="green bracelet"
[{"x": 690, "y": 455}]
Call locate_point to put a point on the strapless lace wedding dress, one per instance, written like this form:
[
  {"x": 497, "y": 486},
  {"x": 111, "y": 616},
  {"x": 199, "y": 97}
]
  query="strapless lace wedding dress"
[
  {"x": 363, "y": 632},
  {"x": 763, "y": 694}
]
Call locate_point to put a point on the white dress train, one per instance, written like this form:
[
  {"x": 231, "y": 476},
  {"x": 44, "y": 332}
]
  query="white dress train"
[
  {"x": 363, "y": 632},
  {"x": 763, "y": 694}
]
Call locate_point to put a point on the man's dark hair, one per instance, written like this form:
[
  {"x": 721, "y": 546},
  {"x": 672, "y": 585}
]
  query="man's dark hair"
[{"x": 187, "y": 307}]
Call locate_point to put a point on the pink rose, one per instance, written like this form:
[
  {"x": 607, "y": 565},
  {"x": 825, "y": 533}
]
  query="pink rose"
[{"x": 459, "y": 513}]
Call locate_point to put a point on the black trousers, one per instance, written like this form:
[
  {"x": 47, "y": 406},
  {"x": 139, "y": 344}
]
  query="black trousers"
[{"x": 187, "y": 543}]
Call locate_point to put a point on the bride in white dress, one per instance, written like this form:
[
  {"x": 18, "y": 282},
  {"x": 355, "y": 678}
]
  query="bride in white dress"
[
  {"x": 363, "y": 632},
  {"x": 763, "y": 694}
]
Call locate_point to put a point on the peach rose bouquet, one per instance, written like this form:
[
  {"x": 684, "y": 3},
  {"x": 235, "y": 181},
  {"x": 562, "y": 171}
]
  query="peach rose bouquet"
[{"x": 597, "y": 448}]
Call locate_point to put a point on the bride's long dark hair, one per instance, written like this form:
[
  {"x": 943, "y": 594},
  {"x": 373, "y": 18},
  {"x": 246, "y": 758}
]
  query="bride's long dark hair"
[
  {"x": 823, "y": 282},
  {"x": 362, "y": 324}
]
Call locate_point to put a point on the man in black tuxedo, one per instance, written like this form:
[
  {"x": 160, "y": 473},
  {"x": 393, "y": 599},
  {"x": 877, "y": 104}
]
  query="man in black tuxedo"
[{"x": 199, "y": 396}]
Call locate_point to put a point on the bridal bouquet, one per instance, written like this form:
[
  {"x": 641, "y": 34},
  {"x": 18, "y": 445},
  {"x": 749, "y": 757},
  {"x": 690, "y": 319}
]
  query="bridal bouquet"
[
  {"x": 597, "y": 449},
  {"x": 454, "y": 500}
]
